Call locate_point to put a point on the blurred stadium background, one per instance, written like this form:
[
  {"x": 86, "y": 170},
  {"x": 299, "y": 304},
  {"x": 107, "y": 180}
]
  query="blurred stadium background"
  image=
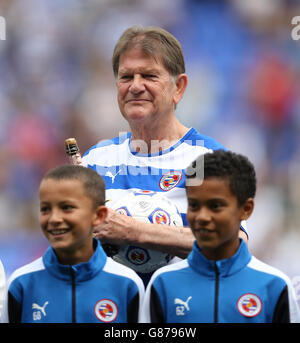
[{"x": 56, "y": 82}]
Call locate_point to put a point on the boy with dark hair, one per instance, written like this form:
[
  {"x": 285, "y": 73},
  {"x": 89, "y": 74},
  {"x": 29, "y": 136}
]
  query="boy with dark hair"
[
  {"x": 74, "y": 281},
  {"x": 220, "y": 281}
]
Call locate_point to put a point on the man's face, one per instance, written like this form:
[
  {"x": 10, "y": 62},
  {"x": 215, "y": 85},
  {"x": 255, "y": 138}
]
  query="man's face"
[{"x": 146, "y": 91}]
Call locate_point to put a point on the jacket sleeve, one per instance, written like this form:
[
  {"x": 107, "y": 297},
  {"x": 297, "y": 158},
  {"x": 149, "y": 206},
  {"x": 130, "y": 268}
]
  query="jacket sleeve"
[
  {"x": 14, "y": 309},
  {"x": 133, "y": 309},
  {"x": 287, "y": 309},
  {"x": 156, "y": 312},
  {"x": 282, "y": 309},
  {"x": 2, "y": 289},
  {"x": 151, "y": 309}
]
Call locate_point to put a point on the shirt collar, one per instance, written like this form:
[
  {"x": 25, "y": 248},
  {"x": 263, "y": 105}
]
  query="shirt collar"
[
  {"x": 81, "y": 271},
  {"x": 225, "y": 267}
]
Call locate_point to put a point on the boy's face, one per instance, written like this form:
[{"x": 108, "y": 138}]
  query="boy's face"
[
  {"x": 214, "y": 216},
  {"x": 68, "y": 217}
]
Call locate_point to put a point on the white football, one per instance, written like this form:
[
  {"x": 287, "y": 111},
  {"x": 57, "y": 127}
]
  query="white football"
[{"x": 148, "y": 207}]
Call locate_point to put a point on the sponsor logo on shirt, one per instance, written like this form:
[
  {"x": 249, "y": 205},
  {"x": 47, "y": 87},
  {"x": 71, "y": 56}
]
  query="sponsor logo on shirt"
[
  {"x": 182, "y": 306},
  {"x": 39, "y": 311}
]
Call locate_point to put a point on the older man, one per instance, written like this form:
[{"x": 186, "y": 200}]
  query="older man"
[{"x": 149, "y": 68}]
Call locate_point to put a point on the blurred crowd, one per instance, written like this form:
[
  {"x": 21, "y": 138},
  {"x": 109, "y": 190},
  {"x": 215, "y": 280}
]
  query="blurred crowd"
[{"x": 57, "y": 82}]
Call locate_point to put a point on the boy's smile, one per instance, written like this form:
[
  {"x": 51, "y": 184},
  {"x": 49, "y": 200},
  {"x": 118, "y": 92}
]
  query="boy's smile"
[
  {"x": 214, "y": 216},
  {"x": 67, "y": 218}
]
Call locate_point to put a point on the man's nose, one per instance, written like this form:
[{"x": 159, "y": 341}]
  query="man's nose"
[{"x": 137, "y": 84}]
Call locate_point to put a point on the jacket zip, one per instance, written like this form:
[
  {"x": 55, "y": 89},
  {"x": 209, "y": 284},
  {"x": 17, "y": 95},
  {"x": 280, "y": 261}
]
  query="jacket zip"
[
  {"x": 73, "y": 296},
  {"x": 216, "y": 307}
]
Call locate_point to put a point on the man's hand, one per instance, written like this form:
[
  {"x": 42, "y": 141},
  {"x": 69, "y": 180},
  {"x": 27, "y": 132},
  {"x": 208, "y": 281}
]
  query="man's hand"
[{"x": 118, "y": 229}]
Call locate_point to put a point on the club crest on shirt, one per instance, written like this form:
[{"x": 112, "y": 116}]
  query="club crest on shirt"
[
  {"x": 137, "y": 255},
  {"x": 160, "y": 216},
  {"x": 106, "y": 310},
  {"x": 123, "y": 210},
  {"x": 170, "y": 180},
  {"x": 249, "y": 305}
]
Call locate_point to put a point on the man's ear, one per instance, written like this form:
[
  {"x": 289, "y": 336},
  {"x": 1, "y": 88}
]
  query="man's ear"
[
  {"x": 247, "y": 209},
  {"x": 100, "y": 215},
  {"x": 181, "y": 84}
]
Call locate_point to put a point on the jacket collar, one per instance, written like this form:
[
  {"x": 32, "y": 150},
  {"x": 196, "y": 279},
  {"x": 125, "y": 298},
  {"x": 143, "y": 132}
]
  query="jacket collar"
[
  {"x": 225, "y": 267},
  {"x": 82, "y": 271}
]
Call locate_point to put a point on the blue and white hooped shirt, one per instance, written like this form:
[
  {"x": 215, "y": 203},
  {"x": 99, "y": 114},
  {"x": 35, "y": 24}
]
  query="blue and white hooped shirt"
[{"x": 124, "y": 170}]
